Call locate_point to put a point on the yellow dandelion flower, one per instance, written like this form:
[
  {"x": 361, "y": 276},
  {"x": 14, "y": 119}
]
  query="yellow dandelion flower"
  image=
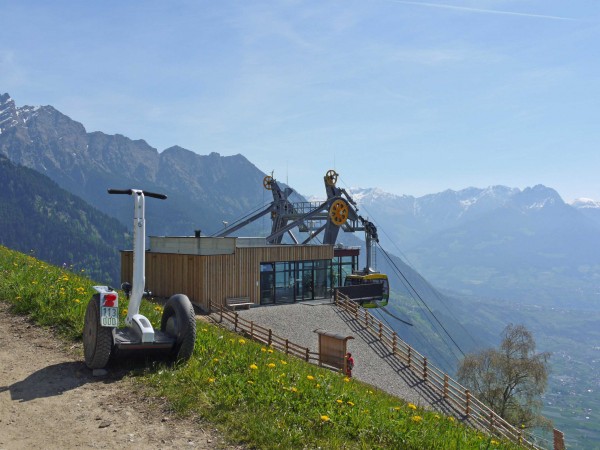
[
  {"x": 325, "y": 418},
  {"x": 270, "y": 350},
  {"x": 242, "y": 341},
  {"x": 411, "y": 406},
  {"x": 253, "y": 366},
  {"x": 451, "y": 419},
  {"x": 282, "y": 362},
  {"x": 437, "y": 416},
  {"x": 339, "y": 401},
  {"x": 310, "y": 377},
  {"x": 157, "y": 308},
  {"x": 124, "y": 312},
  {"x": 416, "y": 419},
  {"x": 271, "y": 365},
  {"x": 250, "y": 382},
  {"x": 318, "y": 386},
  {"x": 211, "y": 380},
  {"x": 495, "y": 442},
  {"x": 397, "y": 408},
  {"x": 350, "y": 403},
  {"x": 293, "y": 389},
  {"x": 77, "y": 300},
  {"x": 263, "y": 349},
  {"x": 215, "y": 359},
  {"x": 347, "y": 380}
]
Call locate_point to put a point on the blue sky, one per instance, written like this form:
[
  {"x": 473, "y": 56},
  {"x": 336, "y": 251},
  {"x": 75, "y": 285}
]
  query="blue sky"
[{"x": 412, "y": 97}]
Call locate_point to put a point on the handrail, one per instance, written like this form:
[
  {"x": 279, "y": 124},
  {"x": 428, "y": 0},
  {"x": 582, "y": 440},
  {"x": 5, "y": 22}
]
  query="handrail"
[{"x": 452, "y": 391}]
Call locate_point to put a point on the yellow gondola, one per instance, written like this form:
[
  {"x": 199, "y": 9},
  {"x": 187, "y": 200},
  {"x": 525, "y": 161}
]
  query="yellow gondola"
[{"x": 370, "y": 299}]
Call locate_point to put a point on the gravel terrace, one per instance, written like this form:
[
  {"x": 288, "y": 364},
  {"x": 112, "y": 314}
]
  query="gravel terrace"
[{"x": 373, "y": 363}]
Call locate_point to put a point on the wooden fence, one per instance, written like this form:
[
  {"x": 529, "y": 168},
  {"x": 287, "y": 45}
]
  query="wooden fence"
[
  {"x": 479, "y": 415},
  {"x": 264, "y": 335}
]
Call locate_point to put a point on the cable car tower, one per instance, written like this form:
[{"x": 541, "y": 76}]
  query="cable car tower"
[{"x": 338, "y": 211}]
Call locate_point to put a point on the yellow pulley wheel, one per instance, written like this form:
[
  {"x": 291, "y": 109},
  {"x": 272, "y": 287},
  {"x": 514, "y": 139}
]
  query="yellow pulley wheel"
[
  {"x": 267, "y": 182},
  {"x": 339, "y": 212},
  {"x": 331, "y": 177}
]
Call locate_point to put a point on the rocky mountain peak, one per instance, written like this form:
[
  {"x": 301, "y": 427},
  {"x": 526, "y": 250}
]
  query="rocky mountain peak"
[
  {"x": 8, "y": 112},
  {"x": 585, "y": 203},
  {"x": 538, "y": 197}
]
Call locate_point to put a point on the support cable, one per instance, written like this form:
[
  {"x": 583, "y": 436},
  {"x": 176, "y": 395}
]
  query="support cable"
[{"x": 408, "y": 283}]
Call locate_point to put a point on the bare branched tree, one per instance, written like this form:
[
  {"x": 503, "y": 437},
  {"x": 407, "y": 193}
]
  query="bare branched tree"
[{"x": 510, "y": 379}]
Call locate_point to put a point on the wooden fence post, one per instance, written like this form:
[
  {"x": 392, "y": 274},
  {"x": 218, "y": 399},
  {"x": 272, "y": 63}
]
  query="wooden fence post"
[
  {"x": 221, "y": 311},
  {"x": 394, "y": 342},
  {"x": 559, "y": 440},
  {"x": 492, "y": 421},
  {"x": 270, "y": 336},
  {"x": 409, "y": 356},
  {"x": 380, "y": 331},
  {"x": 468, "y": 402},
  {"x": 307, "y": 354},
  {"x": 424, "y": 368},
  {"x": 287, "y": 347},
  {"x": 446, "y": 380}
]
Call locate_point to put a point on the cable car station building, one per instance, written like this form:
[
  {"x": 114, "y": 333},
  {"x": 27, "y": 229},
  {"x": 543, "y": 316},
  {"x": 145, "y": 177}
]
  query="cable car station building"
[{"x": 212, "y": 269}]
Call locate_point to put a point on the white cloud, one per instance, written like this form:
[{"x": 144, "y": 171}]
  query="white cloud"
[{"x": 483, "y": 11}]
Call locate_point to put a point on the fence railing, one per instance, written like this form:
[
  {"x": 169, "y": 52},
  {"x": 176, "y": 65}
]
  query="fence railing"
[
  {"x": 478, "y": 414},
  {"x": 264, "y": 335}
]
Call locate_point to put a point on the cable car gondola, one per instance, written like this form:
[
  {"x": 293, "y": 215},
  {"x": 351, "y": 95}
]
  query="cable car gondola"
[{"x": 369, "y": 290}]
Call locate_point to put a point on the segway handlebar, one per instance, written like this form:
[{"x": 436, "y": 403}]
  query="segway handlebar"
[{"x": 130, "y": 191}]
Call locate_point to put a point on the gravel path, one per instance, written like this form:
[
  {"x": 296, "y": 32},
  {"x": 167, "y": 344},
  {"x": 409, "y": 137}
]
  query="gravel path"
[
  {"x": 50, "y": 400},
  {"x": 373, "y": 363}
]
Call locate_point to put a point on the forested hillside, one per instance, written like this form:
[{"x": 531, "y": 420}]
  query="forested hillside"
[{"x": 37, "y": 216}]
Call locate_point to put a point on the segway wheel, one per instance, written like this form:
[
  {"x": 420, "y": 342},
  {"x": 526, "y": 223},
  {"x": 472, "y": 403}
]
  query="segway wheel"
[
  {"x": 179, "y": 322},
  {"x": 97, "y": 340}
]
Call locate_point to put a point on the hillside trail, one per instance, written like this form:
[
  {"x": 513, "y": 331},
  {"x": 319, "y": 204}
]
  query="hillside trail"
[{"x": 49, "y": 399}]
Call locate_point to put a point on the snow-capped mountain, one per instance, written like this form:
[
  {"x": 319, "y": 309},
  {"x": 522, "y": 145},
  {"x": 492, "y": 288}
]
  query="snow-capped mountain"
[
  {"x": 588, "y": 207},
  {"x": 495, "y": 241}
]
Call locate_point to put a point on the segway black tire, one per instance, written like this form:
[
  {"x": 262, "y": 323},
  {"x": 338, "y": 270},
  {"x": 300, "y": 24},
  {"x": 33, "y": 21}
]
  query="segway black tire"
[
  {"x": 179, "y": 321},
  {"x": 97, "y": 340}
]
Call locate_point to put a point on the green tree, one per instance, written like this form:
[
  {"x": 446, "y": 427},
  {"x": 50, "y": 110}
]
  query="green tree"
[{"x": 510, "y": 379}]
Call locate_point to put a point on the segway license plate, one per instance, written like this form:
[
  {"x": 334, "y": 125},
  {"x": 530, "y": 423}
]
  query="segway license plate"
[{"x": 109, "y": 316}]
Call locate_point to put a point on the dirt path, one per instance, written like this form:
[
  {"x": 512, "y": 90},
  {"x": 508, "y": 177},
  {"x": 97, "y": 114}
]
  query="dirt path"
[{"x": 50, "y": 400}]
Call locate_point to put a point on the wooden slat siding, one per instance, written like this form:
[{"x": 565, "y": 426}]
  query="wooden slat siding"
[{"x": 215, "y": 277}]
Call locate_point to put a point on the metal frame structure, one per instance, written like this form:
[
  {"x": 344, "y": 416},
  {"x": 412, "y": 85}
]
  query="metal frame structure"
[{"x": 339, "y": 211}]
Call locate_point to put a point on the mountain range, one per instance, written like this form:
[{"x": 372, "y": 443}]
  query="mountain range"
[
  {"x": 525, "y": 246},
  {"x": 521, "y": 245},
  {"x": 499, "y": 254},
  {"x": 203, "y": 190}
]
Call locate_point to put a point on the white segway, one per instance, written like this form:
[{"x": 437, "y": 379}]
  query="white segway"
[{"x": 102, "y": 337}]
